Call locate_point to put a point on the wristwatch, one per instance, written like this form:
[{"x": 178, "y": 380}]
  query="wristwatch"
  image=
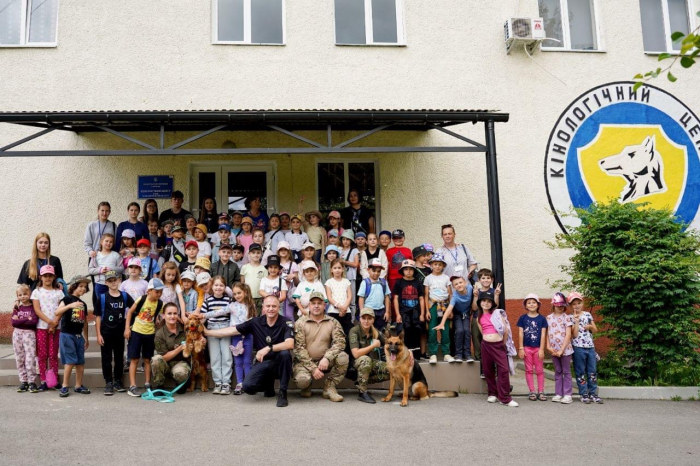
[{"x": 270, "y": 346}]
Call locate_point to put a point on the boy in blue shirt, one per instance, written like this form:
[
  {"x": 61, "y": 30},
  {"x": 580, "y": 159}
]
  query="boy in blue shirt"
[
  {"x": 460, "y": 306},
  {"x": 374, "y": 293}
]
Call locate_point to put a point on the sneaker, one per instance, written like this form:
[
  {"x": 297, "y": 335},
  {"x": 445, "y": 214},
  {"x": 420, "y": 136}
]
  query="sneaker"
[
  {"x": 239, "y": 389},
  {"x": 492, "y": 399},
  {"x": 482, "y": 376},
  {"x": 133, "y": 391},
  {"x": 126, "y": 368},
  {"x": 43, "y": 387},
  {"x": 566, "y": 400},
  {"x": 119, "y": 387},
  {"x": 448, "y": 358},
  {"x": 433, "y": 359},
  {"x": 225, "y": 389},
  {"x": 511, "y": 404},
  {"x": 140, "y": 368},
  {"x": 366, "y": 398},
  {"x": 147, "y": 387},
  {"x": 424, "y": 357},
  {"x": 556, "y": 399},
  {"x": 83, "y": 390},
  {"x": 282, "y": 399},
  {"x": 305, "y": 392},
  {"x": 23, "y": 387},
  {"x": 32, "y": 388},
  {"x": 585, "y": 399},
  {"x": 217, "y": 389},
  {"x": 470, "y": 359},
  {"x": 63, "y": 392},
  {"x": 109, "y": 389},
  {"x": 597, "y": 400},
  {"x": 458, "y": 359}
]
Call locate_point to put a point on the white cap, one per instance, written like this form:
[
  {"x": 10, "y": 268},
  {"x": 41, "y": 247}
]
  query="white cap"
[
  {"x": 308, "y": 244},
  {"x": 203, "y": 278},
  {"x": 308, "y": 265},
  {"x": 188, "y": 275}
]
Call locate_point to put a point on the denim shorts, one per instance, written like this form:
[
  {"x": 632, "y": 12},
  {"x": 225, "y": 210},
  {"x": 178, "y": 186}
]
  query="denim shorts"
[
  {"x": 141, "y": 346},
  {"x": 72, "y": 349}
]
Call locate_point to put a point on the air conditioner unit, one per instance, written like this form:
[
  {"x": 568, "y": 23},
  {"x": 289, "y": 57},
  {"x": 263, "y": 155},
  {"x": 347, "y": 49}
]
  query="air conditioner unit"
[{"x": 526, "y": 31}]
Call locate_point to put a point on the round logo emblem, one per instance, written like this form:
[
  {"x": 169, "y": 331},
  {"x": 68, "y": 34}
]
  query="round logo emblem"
[{"x": 613, "y": 143}]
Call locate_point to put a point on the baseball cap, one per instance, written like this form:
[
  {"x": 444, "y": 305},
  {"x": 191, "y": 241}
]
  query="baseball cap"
[
  {"x": 134, "y": 262},
  {"x": 224, "y": 215},
  {"x": 283, "y": 245},
  {"x": 317, "y": 295},
  {"x": 203, "y": 278},
  {"x": 238, "y": 247},
  {"x": 308, "y": 244},
  {"x": 188, "y": 275},
  {"x": 334, "y": 214},
  {"x": 111, "y": 275},
  {"x": 167, "y": 222},
  {"x": 573, "y": 295},
  {"x": 298, "y": 217},
  {"x": 366, "y": 311},
  {"x": 177, "y": 228},
  {"x": 225, "y": 226},
  {"x": 283, "y": 213},
  {"x": 361, "y": 234},
  {"x": 203, "y": 262},
  {"x": 191, "y": 243},
  {"x": 47, "y": 270},
  {"x": 237, "y": 212},
  {"x": 255, "y": 247},
  {"x": 188, "y": 216},
  {"x": 397, "y": 234},
  {"x": 376, "y": 262},
  {"x": 385, "y": 232},
  {"x": 225, "y": 246},
  {"x": 128, "y": 234},
  {"x": 308, "y": 265},
  {"x": 333, "y": 232},
  {"x": 156, "y": 284},
  {"x": 273, "y": 260},
  {"x": 143, "y": 242}
]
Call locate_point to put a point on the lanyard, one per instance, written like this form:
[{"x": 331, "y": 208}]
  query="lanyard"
[
  {"x": 101, "y": 232},
  {"x": 455, "y": 256}
]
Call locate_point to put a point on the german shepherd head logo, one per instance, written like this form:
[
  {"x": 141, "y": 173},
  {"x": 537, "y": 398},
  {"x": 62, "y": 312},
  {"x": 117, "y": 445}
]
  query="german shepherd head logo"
[{"x": 642, "y": 167}]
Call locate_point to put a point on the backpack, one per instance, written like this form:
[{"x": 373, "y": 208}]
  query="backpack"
[
  {"x": 369, "y": 284},
  {"x": 151, "y": 264},
  {"x": 139, "y": 306},
  {"x": 102, "y": 303}
]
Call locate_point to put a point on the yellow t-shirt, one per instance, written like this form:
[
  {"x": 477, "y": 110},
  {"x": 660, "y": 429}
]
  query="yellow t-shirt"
[{"x": 145, "y": 320}]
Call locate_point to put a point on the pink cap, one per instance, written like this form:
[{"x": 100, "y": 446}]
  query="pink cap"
[
  {"x": 284, "y": 212},
  {"x": 334, "y": 213},
  {"x": 532, "y": 296},
  {"x": 47, "y": 270},
  {"x": 134, "y": 262},
  {"x": 574, "y": 295}
]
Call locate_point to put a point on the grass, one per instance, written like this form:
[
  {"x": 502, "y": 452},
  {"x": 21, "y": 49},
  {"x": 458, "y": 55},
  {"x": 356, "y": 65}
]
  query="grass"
[{"x": 676, "y": 398}]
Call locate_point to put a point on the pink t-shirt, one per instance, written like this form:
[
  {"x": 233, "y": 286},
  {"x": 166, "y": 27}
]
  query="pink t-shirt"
[
  {"x": 245, "y": 241},
  {"x": 487, "y": 327}
]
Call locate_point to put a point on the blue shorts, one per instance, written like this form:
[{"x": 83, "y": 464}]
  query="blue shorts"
[
  {"x": 141, "y": 346},
  {"x": 72, "y": 349}
]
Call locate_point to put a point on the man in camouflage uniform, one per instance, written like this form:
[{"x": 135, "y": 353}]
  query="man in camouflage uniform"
[
  {"x": 319, "y": 342},
  {"x": 169, "y": 345},
  {"x": 367, "y": 345}
]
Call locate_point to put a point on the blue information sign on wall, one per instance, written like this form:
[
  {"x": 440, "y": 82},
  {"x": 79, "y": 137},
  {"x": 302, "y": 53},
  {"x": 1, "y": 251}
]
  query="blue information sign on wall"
[{"x": 155, "y": 187}]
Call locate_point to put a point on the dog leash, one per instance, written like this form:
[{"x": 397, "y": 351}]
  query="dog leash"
[{"x": 166, "y": 397}]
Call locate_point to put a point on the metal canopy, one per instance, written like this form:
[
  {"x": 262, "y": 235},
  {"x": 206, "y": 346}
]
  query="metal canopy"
[{"x": 330, "y": 122}]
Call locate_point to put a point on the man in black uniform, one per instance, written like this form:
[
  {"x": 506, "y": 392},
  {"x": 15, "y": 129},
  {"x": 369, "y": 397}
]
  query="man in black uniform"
[{"x": 273, "y": 339}]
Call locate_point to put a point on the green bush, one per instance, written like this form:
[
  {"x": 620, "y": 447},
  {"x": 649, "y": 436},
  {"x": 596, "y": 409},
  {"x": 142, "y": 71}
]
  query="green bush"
[{"x": 640, "y": 268}]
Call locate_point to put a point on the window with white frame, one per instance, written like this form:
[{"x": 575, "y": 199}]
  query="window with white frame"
[
  {"x": 336, "y": 178},
  {"x": 660, "y": 19},
  {"x": 369, "y": 22},
  {"x": 28, "y": 22},
  {"x": 571, "y": 22},
  {"x": 258, "y": 22}
]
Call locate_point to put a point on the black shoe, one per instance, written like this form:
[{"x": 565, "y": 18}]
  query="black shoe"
[
  {"x": 351, "y": 374},
  {"x": 366, "y": 397},
  {"x": 109, "y": 389},
  {"x": 43, "y": 387},
  {"x": 282, "y": 399},
  {"x": 32, "y": 388},
  {"x": 23, "y": 387},
  {"x": 119, "y": 387},
  {"x": 269, "y": 393},
  {"x": 424, "y": 357}
]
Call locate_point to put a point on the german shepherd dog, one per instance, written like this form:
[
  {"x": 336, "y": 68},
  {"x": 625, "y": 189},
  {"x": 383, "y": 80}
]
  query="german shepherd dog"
[{"x": 398, "y": 363}]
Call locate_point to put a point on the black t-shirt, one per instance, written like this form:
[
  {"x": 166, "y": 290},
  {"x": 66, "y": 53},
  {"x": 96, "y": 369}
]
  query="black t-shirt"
[
  {"x": 73, "y": 320},
  {"x": 177, "y": 218},
  {"x": 421, "y": 274},
  {"x": 409, "y": 293},
  {"x": 356, "y": 220},
  {"x": 185, "y": 265},
  {"x": 282, "y": 329},
  {"x": 114, "y": 315},
  {"x": 24, "y": 279}
]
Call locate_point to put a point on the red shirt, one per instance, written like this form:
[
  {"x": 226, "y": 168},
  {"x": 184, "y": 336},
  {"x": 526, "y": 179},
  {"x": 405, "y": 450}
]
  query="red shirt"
[{"x": 396, "y": 256}]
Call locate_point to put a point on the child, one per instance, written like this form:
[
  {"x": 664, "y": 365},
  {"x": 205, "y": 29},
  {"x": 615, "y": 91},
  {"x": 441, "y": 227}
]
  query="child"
[
  {"x": 224, "y": 219},
  {"x": 202, "y": 264},
  {"x": 236, "y": 223},
  {"x": 285, "y": 222},
  {"x": 296, "y": 238},
  {"x": 459, "y": 311},
  {"x": 127, "y": 246},
  {"x": 333, "y": 238},
  {"x": 175, "y": 251},
  {"x": 245, "y": 236},
  {"x": 422, "y": 255},
  {"x": 237, "y": 254},
  {"x": 139, "y": 229},
  {"x": 225, "y": 266},
  {"x": 584, "y": 351},
  {"x": 275, "y": 235},
  {"x": 396, "y": 255},
  {"x": 485, "y": 283},
  {"x": 375, "y": 294},
  {"x": 384, "y": 239},
  {"x": 242, "y": 309},
  {"x": 110, "y": 323},
  {"x": 308, "y": 252},
  {"x": 497, "y": 345},
  {"x": 373, "y": 251},
  {"x": 314, "y": 230},
  {"x": 104, "y": 260},
  {"x": 172, "y": 290},
  {"x": 141, "y": 333},
  {"x": 217, "y": 315},
  {"x": 361, "y": 241},
  {"x": 532, "y": 331},
  {"x": 73, "y": 317},
  {"x": 259, "y": 239},
  {"x": 409, "y": 306},
  {"x": 157, "y": 239},
  {"x": 309, "y": 284},
  {"x": 351, "y": 261},
  {"x": 339, "y": 295},
  {"x": 559, "y": 344},
  {"x": 134, "y": 286},
  {"x": 335, "y": 223},
  {"x": 200, "y": 235},
  {"x": 252, "y": 273},
  {"x": 190, "y": 225},
  {"x": 189, "y": 294},
  {"x": 332, "y": 253},
  {"x": 224, "y": 238},
  {"x": 290, "y": 273},
  {"x": 437, "y": 295},
  {"x": 192, "y": 252},
  {"x": 273, "y": 284},
  {"x": 149, "y": 266},
  {"x": 24, "y": 322},
  {"x": 45, "y": 299}
]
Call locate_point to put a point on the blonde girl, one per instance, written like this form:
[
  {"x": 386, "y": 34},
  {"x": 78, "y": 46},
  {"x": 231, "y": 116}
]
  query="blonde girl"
[
  {"x": 339, "y": 295},
  {"x": 105, "y": 259},
  {"x": 217, "y": 312},
  {"x": 41, "y": 256},
  {"x": 24, "y": 321}
]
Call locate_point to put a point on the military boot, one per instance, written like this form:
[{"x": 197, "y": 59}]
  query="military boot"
[
  {"x": 305, "y": 392},
  {"x": 330, "y": 393}
]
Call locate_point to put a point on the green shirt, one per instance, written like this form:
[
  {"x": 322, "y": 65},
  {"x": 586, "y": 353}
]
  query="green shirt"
[
  {"x": 166, "y": 341},
  {"x": 359, "y": 340}
]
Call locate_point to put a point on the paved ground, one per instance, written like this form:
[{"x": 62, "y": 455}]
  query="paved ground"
[{"x": 93, "y": 429}]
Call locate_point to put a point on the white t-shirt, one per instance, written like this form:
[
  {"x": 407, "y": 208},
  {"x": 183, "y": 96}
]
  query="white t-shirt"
[
  {"x": 48, "y": 303},
  {"x": 304, "y": 289},
  {"x": 437, "y": 286},
  {"x": 272, "y": 285},
  {"x": 204, "y": 249},
  {"x": 134, "y": 288},
  {"x": 339, "y": 292}
]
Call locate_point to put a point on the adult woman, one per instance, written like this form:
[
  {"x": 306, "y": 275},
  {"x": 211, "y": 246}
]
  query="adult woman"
[
  {"x": 41, "y": 256},
  {"x": 357, "y": 217},
  {"x": 150, "y": 211},
  {"x": 131, "y": 223},
  {"x": 459, "y": 261},
  {"x": 366, "y": 346},
  {"x": 208, "y": 215},
  {"x": 259, "y": 217}
]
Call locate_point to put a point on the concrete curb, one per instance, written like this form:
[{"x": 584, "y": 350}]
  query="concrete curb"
[{"x": 648, "y": 393}]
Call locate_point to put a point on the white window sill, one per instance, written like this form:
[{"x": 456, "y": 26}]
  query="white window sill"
[
  {"x": 553, "y": 49},
  {"x": 248, "y": 43},
  {"x": 371, "y": 45},
  {"x": 672, "y": 52},
  {"x": 28, "y": 46}
]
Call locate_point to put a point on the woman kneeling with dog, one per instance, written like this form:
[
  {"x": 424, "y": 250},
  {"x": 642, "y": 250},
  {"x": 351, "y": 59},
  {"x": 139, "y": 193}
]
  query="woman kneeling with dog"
[
  {"x": 367, "y": 345},
  {"x": 169, "y": 343}
]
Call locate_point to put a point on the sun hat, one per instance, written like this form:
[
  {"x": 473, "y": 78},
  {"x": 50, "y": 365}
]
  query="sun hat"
[
  {"x": 376, "y": 262},
  {"x": 188, "y": 275},
  {"x": 419, "y": 251},
  {"x": 47, "y": 270},
  {"x": 128, "y": 234},
  {"x": 143, "y": 242},
  {"x": 438, "y": 257},
  {"x": 313, "y": 212},
  {"x": 156, "y": 284},
  {"x": 407, "y": 263},
  {"x": 485, "y": 295},
  {"x": 559, "y": 300},
  {"x": 283, "y": 245},
  {"x": 367, "y": 311},
  {"x": 305, "y": 265},
  {"x": 111, "y": 274},
  {"x": 273, "y": 260},
  {"x": 307, "y": 245},
  {"x": 573, "y": 295},
  {"x": 134, "y": 262},
  {"x": 191, "y": 243},
  {"x": 247, "y": 220},
  {"x": 203, "y": 262},
  {"x": 329, "y": 248},
  {"x": 203, "y": 278},
  {"x": 333, "y": 232},
  {"x": 79, "y": 279},
  {"x": 532, "y": 296},
  {"x": 334, "y": 214},
  {"x": 349, "y": 235},
  {"x": 202, "y": 228}
]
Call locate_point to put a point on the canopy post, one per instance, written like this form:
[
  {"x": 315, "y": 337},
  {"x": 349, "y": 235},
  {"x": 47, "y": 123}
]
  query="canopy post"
[{"x": 494, "y": 211}]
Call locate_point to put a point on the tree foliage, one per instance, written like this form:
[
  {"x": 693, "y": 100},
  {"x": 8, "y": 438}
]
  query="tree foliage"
[{"x": 640, "y": 267}]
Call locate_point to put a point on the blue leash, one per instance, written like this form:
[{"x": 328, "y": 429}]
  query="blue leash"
[{"x": 166, "y": 397}]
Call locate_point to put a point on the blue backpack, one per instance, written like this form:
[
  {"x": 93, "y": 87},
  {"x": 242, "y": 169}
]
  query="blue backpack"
[
  {"x": 102, "y": 303},
  {"x": 369, "y": 284}
]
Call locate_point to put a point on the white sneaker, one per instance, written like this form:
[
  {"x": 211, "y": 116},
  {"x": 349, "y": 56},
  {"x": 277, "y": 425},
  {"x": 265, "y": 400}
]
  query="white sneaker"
[
  {"x": 492, "y": 399},
  {"x": 470, "y": 359},
  {"x": 458, "y": 359},
  {"x": 217, "y": 389},
  {"x": 512, "y": 404},
  {"x": 556, "y": 399},
  {"x": 566, "y": 400},
  {"x": 433, "y": 359},
  {"x": 448, "y": 358}
]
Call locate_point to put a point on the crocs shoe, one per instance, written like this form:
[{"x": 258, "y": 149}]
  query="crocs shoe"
[
  {"x": 83, "y": 390},
  {"x": 63, "y": 392}
]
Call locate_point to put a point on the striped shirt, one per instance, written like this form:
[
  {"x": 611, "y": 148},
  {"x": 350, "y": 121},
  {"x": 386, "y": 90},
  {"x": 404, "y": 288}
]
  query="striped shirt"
[{"x": 216, "y": 310}]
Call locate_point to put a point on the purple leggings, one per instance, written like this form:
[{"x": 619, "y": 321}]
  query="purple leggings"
[
  {"x": 244, "y": 362},
  {"x": 562, "y": 375}
]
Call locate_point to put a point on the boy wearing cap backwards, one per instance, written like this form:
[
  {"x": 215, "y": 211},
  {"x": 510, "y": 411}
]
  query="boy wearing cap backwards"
[
  {"x": 141, "y": 334},
  {"x": 73, "y": 323},
  {"x": 149, "y": 266},
  {"x": 191, "y": 250},
  {"x": 224, "y": 237},
  {"x": 438, "y": 294},
  {"x": 175, "y": 251},
  {"x": 409, "y": 306},
  {"x": 225, "y": 267},
  {"x": 273, "y": 284},
  {"x": 252, "y": 273},
  {"x": 396, "y": 255},
  {"x": 110, "y": 319},
  {"x": 134, "y": 286},
  {"x": 459, "y": 311},
  {"x": 375, "y": 294},
  {"x": 307, "y": 285}
]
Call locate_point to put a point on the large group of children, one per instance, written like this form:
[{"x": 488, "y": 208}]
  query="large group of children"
[{"x": 221, "y": 267}]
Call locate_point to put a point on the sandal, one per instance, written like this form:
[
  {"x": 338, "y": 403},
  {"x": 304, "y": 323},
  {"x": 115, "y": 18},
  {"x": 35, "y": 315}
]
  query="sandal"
[
  {"x": 532, "y": 396},
  {"x": 541, "y": 397}
]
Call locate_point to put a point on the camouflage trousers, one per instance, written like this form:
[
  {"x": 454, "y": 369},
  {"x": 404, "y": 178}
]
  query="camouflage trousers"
[
  {"x": 370, "y": 371},
  {"x": 336, "y": 372},
  {"x": 160, "y": 368}
]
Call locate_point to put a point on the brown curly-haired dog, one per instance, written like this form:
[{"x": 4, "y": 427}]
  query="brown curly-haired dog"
[{"x": 194, "y": 345}]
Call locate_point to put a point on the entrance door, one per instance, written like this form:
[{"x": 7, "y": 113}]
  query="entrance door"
[{"x": 232, "y": 183}]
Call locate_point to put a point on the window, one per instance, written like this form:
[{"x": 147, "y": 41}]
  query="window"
[
  {"x": 369, "y": 22},
  {"x": 571, "y": 22},
  {"x": 28, "y": 22},
  {"x": 336, "y": 178},
  {"x": 660, "y": 19},
  {"x": 249, "y": 22}
]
